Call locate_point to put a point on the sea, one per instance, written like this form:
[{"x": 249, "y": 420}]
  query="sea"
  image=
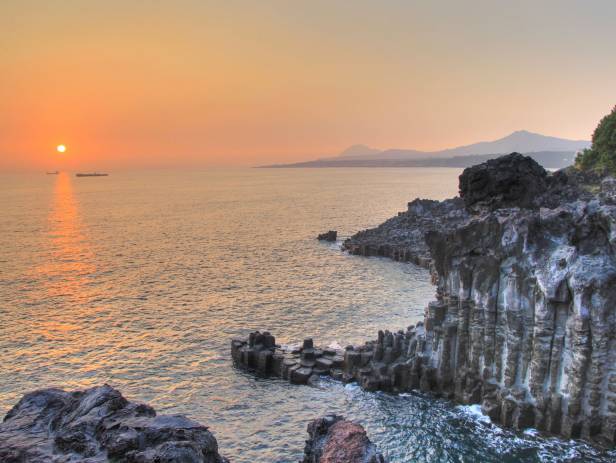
[{"x": 142, "y": 278}]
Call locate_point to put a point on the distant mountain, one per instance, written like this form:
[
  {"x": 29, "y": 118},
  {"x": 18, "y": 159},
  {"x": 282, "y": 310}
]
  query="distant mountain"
[
  {"x": 358, "y": 151},
  {"x": 521, "y": 141},
  {"x": 548, "y": 159}
]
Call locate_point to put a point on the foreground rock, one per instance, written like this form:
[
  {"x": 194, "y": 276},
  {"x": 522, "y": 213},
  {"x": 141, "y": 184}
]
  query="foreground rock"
[
  {"x": 524, "y": 321},
  {"x": 336, "y": 440},
  {"x": 99, "y": 425},
  {"x": 330, "y": 236}
]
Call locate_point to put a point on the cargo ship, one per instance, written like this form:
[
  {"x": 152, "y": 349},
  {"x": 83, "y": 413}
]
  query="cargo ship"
[{"x": 92, "y": 174}]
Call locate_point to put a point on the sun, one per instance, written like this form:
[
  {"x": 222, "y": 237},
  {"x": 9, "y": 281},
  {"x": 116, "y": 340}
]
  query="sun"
[{"x": 61, "y": 148}]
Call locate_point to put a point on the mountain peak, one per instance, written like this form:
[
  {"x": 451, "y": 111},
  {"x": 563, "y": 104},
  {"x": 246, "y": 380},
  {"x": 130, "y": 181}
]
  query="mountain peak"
[
  {"x": 359, "y": 150},
  {"x": 521, "y": 141}
]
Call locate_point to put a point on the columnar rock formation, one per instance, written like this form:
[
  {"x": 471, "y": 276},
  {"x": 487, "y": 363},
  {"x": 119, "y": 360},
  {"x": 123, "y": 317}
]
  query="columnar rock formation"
[
  {"x": 336, "y": 440},
  {"x": 99, "y": 425},
  {"x": 526, "y": 309},
  {"x": 303, "y": 365},
  {"x": 524, "y": 320}
]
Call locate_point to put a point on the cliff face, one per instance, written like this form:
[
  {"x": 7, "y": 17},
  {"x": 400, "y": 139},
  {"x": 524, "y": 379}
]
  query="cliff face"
[
  {"x": 525, "y": 317},
  {"x": 524, "y": 320}
]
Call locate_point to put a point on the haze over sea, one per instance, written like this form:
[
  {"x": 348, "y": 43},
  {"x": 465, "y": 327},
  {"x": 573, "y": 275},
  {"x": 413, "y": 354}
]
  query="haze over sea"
[{"x": 140, "y": 280}]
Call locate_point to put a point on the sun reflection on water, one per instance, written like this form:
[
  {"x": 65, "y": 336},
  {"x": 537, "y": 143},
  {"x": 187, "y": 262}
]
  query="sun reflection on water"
[{"x": 71, "y": 259}]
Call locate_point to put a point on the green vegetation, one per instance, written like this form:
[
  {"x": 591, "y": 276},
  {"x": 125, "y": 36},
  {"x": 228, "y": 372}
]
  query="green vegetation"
[{"x": 601, "y": 156}]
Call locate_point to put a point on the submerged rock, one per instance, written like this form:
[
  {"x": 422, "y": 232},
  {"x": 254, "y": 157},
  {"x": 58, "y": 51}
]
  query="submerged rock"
[
  {"x": 99, "y": 425},
  {"x": 331, "y": 235},
  {"x": 336, "y": 440}
]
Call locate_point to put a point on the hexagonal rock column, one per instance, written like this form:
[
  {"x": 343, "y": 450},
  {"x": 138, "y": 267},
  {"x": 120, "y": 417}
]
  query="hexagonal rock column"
[{"x": 300, "y": 366}]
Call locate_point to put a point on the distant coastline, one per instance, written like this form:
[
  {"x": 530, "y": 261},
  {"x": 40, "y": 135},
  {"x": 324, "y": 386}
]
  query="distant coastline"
[
  {"x": 550, "y": 152},
  {"x": 548, "y": 159}
]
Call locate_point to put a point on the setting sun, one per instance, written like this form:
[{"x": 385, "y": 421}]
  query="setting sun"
[{"x": 61, "y": 148}]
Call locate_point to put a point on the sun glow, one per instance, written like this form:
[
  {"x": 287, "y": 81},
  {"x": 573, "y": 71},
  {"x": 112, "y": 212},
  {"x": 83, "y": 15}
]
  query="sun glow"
[{"x": 61, "y": 148}]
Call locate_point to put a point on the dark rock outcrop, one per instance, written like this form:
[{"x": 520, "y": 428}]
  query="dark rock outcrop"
[
  {"x": 336, "y": 440},
  {"x": 402, "y": 238},
  {"x": 513, "y": 180},
  {"x": 508, "y": 181},
  {"x": 524, "y": 321},
  {"x": 303, "y": 365},
  {"x": 99, "y": 425},
  {"x": 331, "y": 236}
]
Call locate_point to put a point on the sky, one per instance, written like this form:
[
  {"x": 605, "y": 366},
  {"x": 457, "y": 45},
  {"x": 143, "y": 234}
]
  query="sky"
[{"x": 199, "y": 83}]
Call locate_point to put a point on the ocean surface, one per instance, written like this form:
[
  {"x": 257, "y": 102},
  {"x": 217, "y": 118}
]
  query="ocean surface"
[{"x": 141, "y": 279}]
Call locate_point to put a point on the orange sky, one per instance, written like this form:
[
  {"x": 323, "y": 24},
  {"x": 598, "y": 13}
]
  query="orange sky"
[{"x": 172, "y": 83}]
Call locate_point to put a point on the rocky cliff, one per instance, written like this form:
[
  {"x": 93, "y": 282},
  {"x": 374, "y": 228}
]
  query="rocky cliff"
[{"x": 524, "y": 320}]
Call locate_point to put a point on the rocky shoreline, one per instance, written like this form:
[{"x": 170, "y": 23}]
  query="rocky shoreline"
[
  {"x": 524, "y": 321},
  {"x": 99, "y": 425}
]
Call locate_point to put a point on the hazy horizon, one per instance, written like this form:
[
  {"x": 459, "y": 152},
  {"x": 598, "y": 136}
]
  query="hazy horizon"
[{"x": 181, "y": 84}]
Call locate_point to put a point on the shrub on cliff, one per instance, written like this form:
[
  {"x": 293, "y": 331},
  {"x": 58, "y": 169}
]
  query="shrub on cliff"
[{"x": 602, "y": 154}]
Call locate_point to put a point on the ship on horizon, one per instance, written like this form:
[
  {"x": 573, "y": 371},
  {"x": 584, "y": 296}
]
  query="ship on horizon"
[
  {"x": 54, "y": 172},
  {"x": 91, "y": 174}
]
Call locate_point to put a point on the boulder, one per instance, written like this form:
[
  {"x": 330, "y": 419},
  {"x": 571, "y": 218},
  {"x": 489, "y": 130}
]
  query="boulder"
[
  {"x": 513, "y": 180},
  {"x": 332, "y": 439},
  {"x": 99, "y": 425},
  {"x": 331, "y": 236}
]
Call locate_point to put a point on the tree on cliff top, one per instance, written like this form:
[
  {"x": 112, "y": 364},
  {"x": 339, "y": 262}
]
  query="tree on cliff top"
[{"x": 602, "y": 154}]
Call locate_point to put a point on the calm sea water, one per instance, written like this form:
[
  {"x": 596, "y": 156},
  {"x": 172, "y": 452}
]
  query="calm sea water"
[{"x": 141, "y": 279}]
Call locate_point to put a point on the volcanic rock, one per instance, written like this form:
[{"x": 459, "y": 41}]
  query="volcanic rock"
[
  {"x": 508, "y": 181},
  {"x": 331, "y": 235},
  {"x": 402, "y": 238},
  {"x": 524, "y": 321},
  {"x": 99, "y": 425},
  {"x": 336, "y": 440}
]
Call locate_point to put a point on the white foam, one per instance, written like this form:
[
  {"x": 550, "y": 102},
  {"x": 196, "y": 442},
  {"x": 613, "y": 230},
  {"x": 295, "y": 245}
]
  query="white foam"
[
  {"x": 475, "y": 412},
  {"x": 290, "y": 347},
  {"x": 334, "y": 345}
]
